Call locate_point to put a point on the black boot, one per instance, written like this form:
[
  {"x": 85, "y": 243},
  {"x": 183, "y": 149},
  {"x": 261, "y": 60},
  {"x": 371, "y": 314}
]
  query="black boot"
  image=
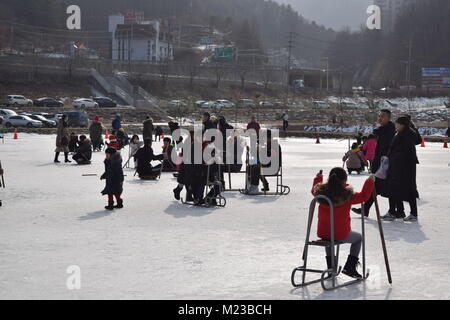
[
  {"x": 56, "y": 158},
  {"x": 110, "y": 205},
  {"x": 189, "y": 197},
  {"x": 176, "y": 192},
  {"x": 66, "y": 157},
  {"x": 119, "y": 204},
  {"x": 350, "y": 268},
  {"x": 265, "y": 187},
  {"x": 358, "y": 211}
]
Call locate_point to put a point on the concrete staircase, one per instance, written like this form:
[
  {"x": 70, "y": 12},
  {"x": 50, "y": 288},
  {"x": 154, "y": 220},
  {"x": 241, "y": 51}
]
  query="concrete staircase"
[{"x": 132, "y": 95}]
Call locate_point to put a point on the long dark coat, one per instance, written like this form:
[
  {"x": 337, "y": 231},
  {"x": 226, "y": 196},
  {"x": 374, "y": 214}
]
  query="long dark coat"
[
  {"x": 95, "y": 132},
  {"x": 62, "y": 137},
  {"x": 384, "y": 135},
  {"x": 113, "y": 175},
  {"x": 401, "y": 179},
  {"x": 147, "y": 132}
]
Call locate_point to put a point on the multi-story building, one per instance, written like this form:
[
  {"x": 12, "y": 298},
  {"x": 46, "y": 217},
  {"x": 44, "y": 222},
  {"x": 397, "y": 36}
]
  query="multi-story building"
[
  {"x": 390, "y": 9},
  {"x": 137, "y": 40}
]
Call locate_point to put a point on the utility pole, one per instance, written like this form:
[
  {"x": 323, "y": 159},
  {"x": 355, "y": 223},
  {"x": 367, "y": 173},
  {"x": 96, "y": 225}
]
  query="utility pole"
[
  {"x": 409, "y": 74},
  {"x": 408, "y": 64},
  {"x": 290, "y": 46},
  {"x": 327, "y": 72}
]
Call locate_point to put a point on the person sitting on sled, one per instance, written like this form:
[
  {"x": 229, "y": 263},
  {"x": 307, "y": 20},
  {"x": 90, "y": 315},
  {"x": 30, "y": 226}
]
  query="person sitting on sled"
[
  {"x": 256, "y": 169},
  {"x": 354, "y": 159},
  {"x": 144, "y": 156},
  {"x": 83, "y": 154},
  {"x": 122, "y": 138},
  {"x": 114, "y": 178},
  {"x": 343, "y": 197}
]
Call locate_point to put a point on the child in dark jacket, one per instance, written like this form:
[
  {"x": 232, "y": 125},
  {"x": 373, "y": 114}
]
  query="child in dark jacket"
[
  {"x": 343, "y": 197},
  {"x": 73, "y": 142},
  {"x": 114, "y": 178}
]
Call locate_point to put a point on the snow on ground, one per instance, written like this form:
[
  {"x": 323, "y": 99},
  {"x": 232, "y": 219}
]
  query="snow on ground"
[{"x": 156, "y": 248}]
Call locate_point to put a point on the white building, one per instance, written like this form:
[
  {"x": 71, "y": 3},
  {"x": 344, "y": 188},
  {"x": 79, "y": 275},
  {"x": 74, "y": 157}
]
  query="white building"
[
  {"x": 137, "y": 40},
  {"x": 390, "y": 9}
]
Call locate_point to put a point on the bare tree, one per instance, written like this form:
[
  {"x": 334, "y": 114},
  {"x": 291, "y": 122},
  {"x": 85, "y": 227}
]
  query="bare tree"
[
  {"x": 164, "y": 71},
  {"x": 218, "y": 71},
  {"x": 193, "y": 71},
  {"x": 243, "y": 71},
  {"x": 267, "y": 76}
]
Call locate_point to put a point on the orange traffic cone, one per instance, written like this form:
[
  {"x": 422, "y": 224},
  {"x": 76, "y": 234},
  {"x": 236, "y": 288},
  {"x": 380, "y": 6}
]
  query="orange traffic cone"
[
  {"x": 107, "y": 134},
  {"x": 446, "y": 143},
  {"x": 15, "y": 136},
  {"x": 423, "y": 143},
  {"x": 318, "y": 139}
]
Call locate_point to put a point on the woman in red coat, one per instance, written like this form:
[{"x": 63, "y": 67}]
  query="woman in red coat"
[{"x": 343, "y": 197}]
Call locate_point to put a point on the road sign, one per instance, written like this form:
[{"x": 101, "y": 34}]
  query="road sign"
[{"x": 224, "y": 53}]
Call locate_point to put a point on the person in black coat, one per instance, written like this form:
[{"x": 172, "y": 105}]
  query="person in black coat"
[
  {"x": 114, "y": 178},
  {"x": 144, "y": 156},
  {"x": 83, "y": 154},
  {"x": 207, "y": 122},
  {"x": 401, "y": 178},
  {"x": 384, "y": 134},
  {"x": 168, "y": 148}
]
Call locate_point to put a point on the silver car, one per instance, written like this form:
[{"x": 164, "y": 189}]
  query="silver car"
[{"x": 22, "y": 121}]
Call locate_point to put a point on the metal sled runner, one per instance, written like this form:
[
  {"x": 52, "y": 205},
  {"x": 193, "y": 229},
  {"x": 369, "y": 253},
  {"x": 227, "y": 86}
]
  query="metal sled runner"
[
  {"x": 328, "y": 274},
  {"x": 281, "y": 189},
  {"x": 212, "y": 184}
]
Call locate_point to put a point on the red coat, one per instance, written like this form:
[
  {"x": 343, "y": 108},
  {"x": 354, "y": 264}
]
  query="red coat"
[
  {"x": 342, "y": 221},
  {"x": 369, "y": 148}
]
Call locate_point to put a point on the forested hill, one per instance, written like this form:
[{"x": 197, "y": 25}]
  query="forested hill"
[{"x": 267, "y": 21}]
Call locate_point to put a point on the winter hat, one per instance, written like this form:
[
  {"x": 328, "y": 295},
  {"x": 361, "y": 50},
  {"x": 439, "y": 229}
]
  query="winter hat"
[
  {"x": 96, "y": 119},
  {"x": 110, "y": 151}
]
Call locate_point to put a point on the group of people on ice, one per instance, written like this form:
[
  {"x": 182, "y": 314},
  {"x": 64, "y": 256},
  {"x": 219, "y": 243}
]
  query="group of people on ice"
[
  {"x": 391, "y": 151},
  {"x": 195, "y": 177}
]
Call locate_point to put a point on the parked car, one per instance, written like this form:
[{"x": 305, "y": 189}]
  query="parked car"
[
  {"x": 199, "y": 103},
  {"x": 45, "y": 122},
  {"x": 320, "y": 104},
  {"x": 349, "y": 105},
  {"x": 48, "y": 102},
  {"x": 85, "y": 103},
  {"x": 104, "y": 102},
  {"x": 16, "y": 100},
  {"x": 5, "y": 113},
  {"x": 266, "y": 104},
  {"x": 176, "y": 103},
  {"x": 53, "y": 117},
  {"x": 22, "y": 121},
  {"x": 245, "y": 103},
  {"x": 77, "y": 118},
  {"x": 226, "y": 103},
  {"x": 211, "y": 104}
]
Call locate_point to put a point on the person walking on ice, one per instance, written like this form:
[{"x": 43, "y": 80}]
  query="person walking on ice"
[
  {"x": 114, "y": 178},
  {"x": 62, "y": 140},
  {"x": 343, "y": 197}
]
